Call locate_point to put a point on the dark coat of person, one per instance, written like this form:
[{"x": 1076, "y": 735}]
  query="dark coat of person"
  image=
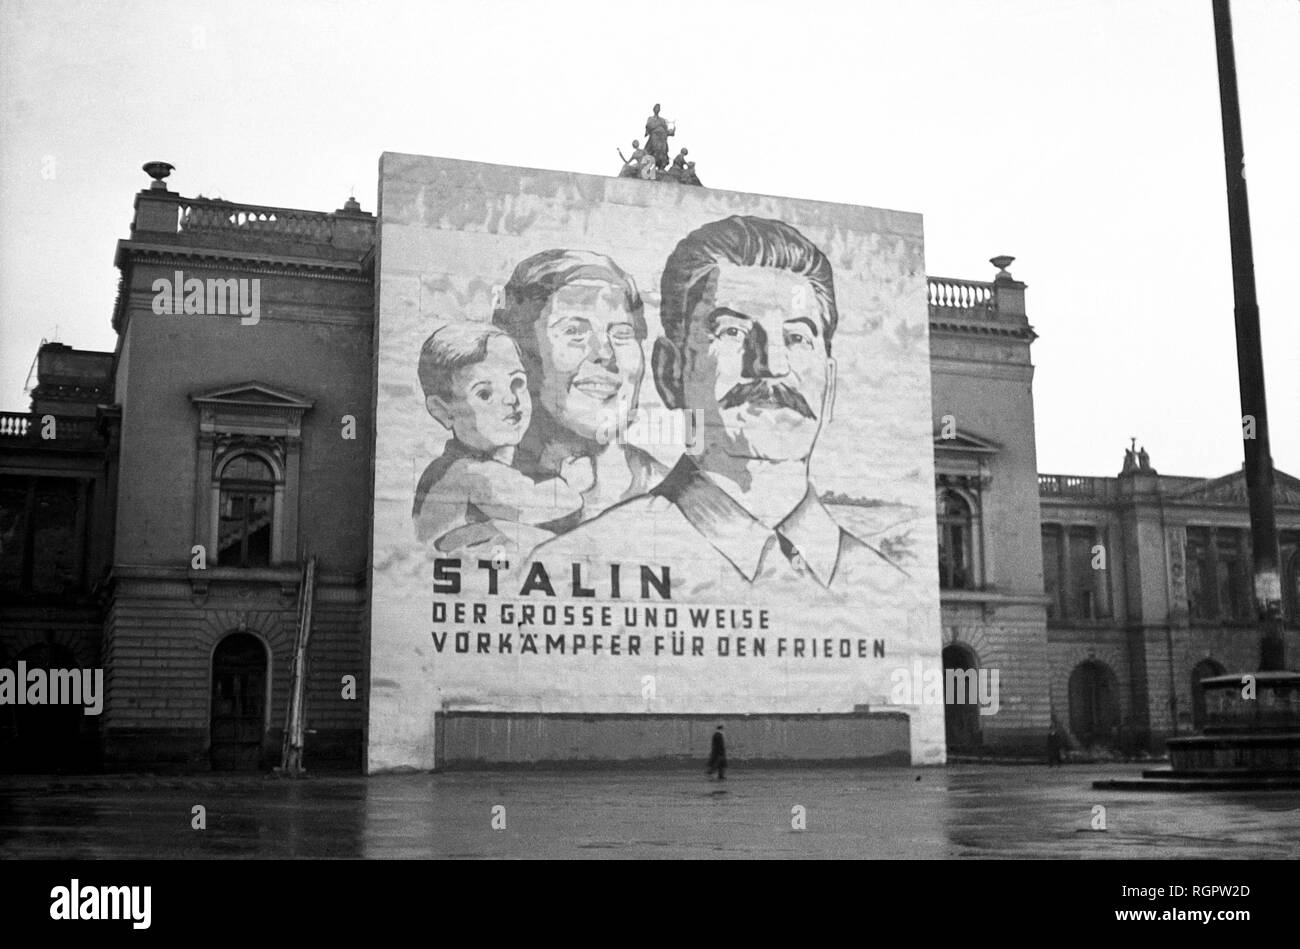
[{"x": 718, "y": 752}]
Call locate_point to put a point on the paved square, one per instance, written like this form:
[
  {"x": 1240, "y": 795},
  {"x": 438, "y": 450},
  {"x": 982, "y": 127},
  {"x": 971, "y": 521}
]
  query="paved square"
[{"x": 964, "y": 811}]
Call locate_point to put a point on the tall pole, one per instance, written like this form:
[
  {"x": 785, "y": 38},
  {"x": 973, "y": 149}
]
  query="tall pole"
[{"x": 1250, "y": 360}]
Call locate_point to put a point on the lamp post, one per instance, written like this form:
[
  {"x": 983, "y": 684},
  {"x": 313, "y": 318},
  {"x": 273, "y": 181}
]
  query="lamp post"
[{"x": 1250, "y": 360}]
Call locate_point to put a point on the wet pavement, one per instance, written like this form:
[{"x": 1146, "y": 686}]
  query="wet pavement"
[{"x": 982, "y": 811}]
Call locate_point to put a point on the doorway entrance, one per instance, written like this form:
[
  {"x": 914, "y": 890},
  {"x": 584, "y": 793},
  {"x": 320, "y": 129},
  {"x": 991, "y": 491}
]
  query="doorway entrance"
[
  {"x": 1094, "y": 704},
  {"x": 238, "y": 703},
  {"x": 961, "y": 721}
]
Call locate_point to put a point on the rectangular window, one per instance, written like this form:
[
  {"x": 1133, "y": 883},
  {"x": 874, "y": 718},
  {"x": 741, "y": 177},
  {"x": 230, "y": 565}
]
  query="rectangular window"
[
  {"x": 56, "y": 548},
  {"x": 1052, "y": 579},
  {"x": 1200, "y": 597},
  {"x": 13, "y": 531},
  {"x": 1085, "y": 579},
  {"x": 1289, "y": 567},
  {"x": 1236, "y": 597},
  {"x": 245, "y": 539}
]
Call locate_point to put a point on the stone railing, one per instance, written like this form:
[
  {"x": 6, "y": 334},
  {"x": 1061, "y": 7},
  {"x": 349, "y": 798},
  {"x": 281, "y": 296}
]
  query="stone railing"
[
  {"x": 210, "y": 219},
  {"x": 204, "y": 216},
  {"x": 30, "y": 428},
  {"x": 952, "y": 294},
  {"x": 1073, "y": 486},
  {"x": 14, "y": 424}
]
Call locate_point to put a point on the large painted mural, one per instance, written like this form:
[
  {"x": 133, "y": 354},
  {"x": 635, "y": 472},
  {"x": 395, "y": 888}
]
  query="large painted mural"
[{"x": 642, "y": 449}]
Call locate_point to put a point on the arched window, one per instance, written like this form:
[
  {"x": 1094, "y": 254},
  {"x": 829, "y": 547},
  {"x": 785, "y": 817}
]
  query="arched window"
[
  {"x": 247, "y": 511},
  {"x": 955, "y": 562}
]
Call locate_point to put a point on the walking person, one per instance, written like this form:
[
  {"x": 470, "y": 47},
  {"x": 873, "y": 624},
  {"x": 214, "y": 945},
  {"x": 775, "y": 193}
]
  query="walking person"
[
  {"x": 1054, "y": 747},
  {"x": 718, "y": 756}
]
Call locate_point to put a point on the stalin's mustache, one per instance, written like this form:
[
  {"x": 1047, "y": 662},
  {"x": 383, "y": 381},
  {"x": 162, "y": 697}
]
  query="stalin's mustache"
[{"x": 762, "y": 392}]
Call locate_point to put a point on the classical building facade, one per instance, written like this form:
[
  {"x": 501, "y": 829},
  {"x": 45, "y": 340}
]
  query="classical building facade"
[
  {"x": 990, "y": 571},
  {"x": 162, "y": 533},
  {"x": 58, "y": 486},
  {"x": 1150, "y": 589}
]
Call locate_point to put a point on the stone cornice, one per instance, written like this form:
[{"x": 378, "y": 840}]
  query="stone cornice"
[
  {"x": 251, "y": 262},
  {"x": 289, "y": 573},
  {"x": 1017, "y": 371},
  {"x": 958, "y": 327}
]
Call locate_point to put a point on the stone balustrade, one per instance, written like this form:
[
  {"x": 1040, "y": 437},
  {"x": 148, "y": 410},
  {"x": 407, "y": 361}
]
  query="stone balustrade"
[
  {"x": 1075, "y": 486},
  {"x": 953, "y": 294},
  {"x": 69, "y": 431},
  {"x": 203, "y": 216}
]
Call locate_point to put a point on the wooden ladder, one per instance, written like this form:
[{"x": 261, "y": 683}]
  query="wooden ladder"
[{"x": 294, "y": 728}]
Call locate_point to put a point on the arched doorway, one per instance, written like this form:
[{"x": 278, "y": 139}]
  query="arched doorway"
[
  {"x": 1202, "y": 670},
  {"x": 1094, "y": 704},
  {"x": 44, "y": 738},
  {"x": 238, "y": 703},
  {"x": 961, "y": 720}
]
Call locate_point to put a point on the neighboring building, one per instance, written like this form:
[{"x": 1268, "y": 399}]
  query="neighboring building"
[
  {"x": 254, "y": 446},
  {"x": 257, "y": 448},
  {"x": 58, "y": 485},
  {"x": 990, "y": 571},
  {"x": 1150, "y": 589}
]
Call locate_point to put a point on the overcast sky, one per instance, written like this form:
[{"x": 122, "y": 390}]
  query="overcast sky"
[{"x": 1081, "y": 136}]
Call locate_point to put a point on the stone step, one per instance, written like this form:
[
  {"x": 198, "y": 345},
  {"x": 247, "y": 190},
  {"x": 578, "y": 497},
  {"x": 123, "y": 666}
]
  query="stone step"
[
  {"x": 1219, "y": 773},
  {"x": 1233, "y": 780}
]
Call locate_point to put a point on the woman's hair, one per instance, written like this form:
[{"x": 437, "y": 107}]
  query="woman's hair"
[{"x": 540, "y": 276}]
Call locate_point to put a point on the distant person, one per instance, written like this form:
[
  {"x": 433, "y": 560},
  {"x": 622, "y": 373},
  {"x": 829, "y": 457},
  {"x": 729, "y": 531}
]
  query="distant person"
[
  {"x": 1055, "y": 747},
  {"x": 718, "y": 756}
]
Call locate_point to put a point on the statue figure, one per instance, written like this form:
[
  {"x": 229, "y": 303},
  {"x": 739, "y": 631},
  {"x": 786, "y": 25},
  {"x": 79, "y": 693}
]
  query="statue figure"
[
  {"x": 1130, "y": 458},
  {"x": 1144, "y": 460},
  {"x": 632, "y": 166},
  {"x": 651, "y": 163},
  {"x": 657, "y": 131}
]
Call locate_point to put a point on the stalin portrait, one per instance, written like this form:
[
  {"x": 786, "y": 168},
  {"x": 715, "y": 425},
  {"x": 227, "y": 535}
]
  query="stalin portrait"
[{"x": 748, "y": 316}]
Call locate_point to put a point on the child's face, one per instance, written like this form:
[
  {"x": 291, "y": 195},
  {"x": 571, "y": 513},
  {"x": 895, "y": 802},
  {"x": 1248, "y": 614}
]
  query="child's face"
[{"x": 492, "y": 407}]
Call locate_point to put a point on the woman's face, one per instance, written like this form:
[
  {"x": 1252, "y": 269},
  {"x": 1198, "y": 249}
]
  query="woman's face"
[{"x": 591, "y": 359}]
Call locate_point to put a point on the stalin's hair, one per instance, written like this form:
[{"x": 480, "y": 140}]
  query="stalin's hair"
[
  {"x": 744, "y": 242},
  {"x": 450, "y": 347}
]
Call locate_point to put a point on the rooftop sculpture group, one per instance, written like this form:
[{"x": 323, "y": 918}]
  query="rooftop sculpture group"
[{"x": 651, "y": 163}]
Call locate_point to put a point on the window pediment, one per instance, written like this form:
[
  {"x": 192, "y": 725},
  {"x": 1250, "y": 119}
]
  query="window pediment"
[
  {"x": 965, "y": 443},
  {"x": 964, "y": 458},
  {"x": 251, "y": 408},
  {"x": 1230, "y": 489}
]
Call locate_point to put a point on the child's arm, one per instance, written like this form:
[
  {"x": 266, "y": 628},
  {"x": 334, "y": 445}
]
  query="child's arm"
[
  {"x": 504, "y": 493},
  {"x": 444, "y": 506}
]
